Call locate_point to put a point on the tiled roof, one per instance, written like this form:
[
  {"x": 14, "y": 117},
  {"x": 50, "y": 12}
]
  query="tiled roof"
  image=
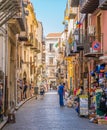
[{"x": 54, "y": 35}]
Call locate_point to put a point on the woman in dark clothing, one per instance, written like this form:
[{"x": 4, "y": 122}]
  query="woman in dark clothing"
[
  {"x": 36, "y": 92},
  {"x": 42, "y": 92},
  {"x": 25, "y": 90}
]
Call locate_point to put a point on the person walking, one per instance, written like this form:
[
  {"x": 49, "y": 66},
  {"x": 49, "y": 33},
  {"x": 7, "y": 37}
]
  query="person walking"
[
  {"x": 36, "y": 92},
  {"x": 42, "y": 92},
  {"x": 61, "y": 94},
  {"x": 25, "y": 90}
]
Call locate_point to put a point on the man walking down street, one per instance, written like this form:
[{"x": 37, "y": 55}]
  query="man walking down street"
[{"x": 61, "y": 94}]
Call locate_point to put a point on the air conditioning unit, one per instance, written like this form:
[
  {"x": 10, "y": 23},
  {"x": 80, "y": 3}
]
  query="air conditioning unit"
[{"x": 91, "y": 30}]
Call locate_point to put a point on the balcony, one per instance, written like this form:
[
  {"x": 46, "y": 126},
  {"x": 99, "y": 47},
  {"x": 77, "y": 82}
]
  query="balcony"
[
  {"x": 72, "y": 13},
  {"x": 34, "y": 47},
  {"x": 93, "y": 46},
  {"x": 69, "y": 52},
  {"x": 80, "y": 46},
  {"x": 79, "y": 39},
  {"x": 8, "y": 9},
  {"x": 88, "y": 6},
  {"x": 23, "y": 36},
  {"x": 74, "y": 3},
  {"x": 103, "y": 4},
  {"x": 20, "y": 16},
  {"x": 30, "y": 40}
]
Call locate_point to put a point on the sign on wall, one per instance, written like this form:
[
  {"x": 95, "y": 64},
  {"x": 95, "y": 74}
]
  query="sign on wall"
[
  {"x": 84, "y": 105},
  {"x": 96, "y": 45}
]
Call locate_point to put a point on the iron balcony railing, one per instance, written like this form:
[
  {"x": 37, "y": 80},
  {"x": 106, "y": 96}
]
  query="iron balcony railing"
[
  {"x": 35, "y": 45},
  {"x": 72, "y": 13},
  {"x": 103, "y": 4},
  {"x": 23, "y": 36},
  {"x": 82, "y": 2},
  {"x": 74, "y": 3},
  {"x": 79, "y": 39},
  {"x": 20, "y": 16},
  {"x": 31, "y": 38},
  {"x": 93, "y": 45},
  {"x": 8, "y": 9},
  {"x": 88, "y": 6},
  {"x": 13, "y": 9},
  {"x": 69, "y": 50}
]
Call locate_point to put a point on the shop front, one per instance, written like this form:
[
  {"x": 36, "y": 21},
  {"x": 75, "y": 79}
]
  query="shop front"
[
  {"x": 98, "y": 92},
  {"x": 2, "y": 95}
]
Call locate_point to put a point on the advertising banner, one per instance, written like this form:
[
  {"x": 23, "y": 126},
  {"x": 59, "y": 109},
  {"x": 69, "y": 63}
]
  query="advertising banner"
[{"x": 84, "y": 105}]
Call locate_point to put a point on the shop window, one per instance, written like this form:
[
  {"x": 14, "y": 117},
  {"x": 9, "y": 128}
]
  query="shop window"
[{"x": 1, "y": 102}]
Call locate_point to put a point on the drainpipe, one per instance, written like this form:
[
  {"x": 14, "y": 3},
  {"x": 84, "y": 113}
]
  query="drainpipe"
[{"x": 16, "y": 70}]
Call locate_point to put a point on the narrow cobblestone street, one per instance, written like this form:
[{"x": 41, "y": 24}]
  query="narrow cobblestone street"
[{"x": 46, "y": 114}]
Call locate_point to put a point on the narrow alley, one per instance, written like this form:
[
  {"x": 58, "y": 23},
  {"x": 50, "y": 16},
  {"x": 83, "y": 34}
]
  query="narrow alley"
[{"x": 46, "y": 114}]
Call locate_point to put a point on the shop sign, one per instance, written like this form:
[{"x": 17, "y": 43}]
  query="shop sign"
[
  {"x": 84, "y": 105},
  {"x": 96, "y": 45}
]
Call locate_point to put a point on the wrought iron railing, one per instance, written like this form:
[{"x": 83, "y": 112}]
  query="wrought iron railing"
[
  {"x": 8, "y": 9},
  {"x": 72, "y": 12},
  {"x": 88, "y": 6},
  {"x": 91, "y": 41},
  {"x": 79, "y": 37},
  {"x": 74, "y": 3},
  {"x": 102, "y": 1},
  {"x": 82, "y": 2},
  {"x": 20, "y": 16},
  {"x": 103, "y": 4}
]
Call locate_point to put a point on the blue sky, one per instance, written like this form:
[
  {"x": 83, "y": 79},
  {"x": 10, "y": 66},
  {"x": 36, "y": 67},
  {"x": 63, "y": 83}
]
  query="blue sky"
[{"x": 50, "y": 13}]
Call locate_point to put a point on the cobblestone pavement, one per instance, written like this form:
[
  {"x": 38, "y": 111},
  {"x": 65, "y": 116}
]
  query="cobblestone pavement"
[{"x": 46, "y": 114}]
